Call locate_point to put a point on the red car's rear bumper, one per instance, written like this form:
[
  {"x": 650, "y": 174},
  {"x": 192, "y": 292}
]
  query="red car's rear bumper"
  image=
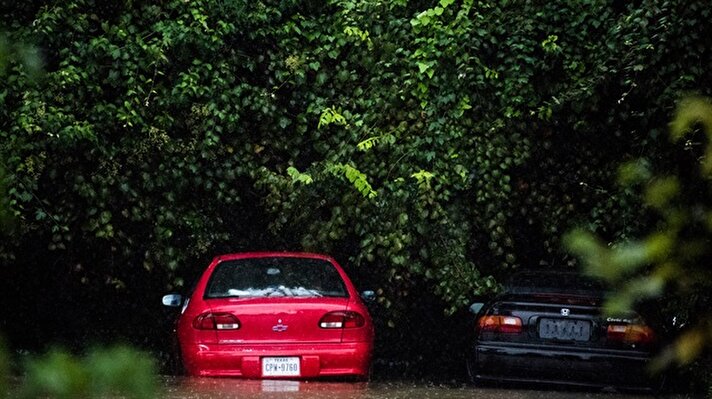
[{"x": 316, "y": 360}]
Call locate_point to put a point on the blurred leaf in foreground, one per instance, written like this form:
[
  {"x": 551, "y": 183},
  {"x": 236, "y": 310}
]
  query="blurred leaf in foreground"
[
  {"x": 122, "y": 370},
  {"x": 116, "y": 371},
  {"x": 672, "y": 260},
  {"x": 58, "y": 375}
]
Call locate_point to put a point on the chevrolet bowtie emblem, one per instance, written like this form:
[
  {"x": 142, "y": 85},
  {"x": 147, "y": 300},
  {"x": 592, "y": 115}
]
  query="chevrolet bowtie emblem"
[{"x": 279, "y": 328}]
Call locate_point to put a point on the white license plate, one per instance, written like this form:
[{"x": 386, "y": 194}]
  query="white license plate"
[{"x": 280, "y": 367}]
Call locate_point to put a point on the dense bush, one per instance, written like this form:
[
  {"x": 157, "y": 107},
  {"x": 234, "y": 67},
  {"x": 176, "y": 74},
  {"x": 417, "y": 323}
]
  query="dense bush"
[{"x": 432, "y": 147}]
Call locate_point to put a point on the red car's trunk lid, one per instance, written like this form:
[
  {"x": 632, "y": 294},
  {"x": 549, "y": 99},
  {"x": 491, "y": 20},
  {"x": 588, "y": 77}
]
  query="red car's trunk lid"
[{"x": 279, "y": 320}]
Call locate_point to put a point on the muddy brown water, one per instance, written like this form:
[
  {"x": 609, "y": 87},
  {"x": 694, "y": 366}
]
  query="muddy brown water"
[{"x": 218, "y": 388}]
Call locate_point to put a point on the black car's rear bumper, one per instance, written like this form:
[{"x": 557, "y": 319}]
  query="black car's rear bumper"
[{"x": 560, "y": 365}]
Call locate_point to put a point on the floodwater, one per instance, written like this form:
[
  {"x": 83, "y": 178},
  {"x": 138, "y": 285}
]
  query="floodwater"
[{"x": 218, "y": 388}]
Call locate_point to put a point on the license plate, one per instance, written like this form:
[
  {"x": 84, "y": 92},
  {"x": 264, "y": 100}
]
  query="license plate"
[
  {"x": 280, "y": 367},
  {"x": 563, "y": 329}
]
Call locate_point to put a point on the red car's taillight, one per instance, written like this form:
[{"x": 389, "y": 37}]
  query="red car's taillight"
[
  {"x": 630, "y": 333},
  {"x": 500, "y": 324},
  {"x": 342, "y": 319},
  {"x": 216, "y": 321}
]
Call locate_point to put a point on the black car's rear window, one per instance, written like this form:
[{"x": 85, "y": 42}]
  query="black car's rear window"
[
  {"x": 275, "y": 277},
  {"x": 547, "y": 282}
]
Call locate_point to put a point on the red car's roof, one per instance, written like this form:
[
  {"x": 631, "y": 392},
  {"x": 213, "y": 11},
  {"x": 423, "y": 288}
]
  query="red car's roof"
[{"x": 270, "y": 254}]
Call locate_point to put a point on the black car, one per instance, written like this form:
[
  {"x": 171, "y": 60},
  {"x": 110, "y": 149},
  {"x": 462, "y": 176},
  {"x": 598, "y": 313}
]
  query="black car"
[{"x": 548, "y": 328}]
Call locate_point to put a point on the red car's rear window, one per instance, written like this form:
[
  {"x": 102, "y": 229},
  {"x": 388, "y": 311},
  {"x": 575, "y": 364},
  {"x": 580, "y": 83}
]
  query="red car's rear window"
[{"x": 275, "y": 277}]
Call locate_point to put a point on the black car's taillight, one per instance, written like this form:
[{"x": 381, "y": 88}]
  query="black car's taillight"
[
  {"x": 630, "y": 333},
  {"x": 500, "y": 324},
  {"x": 216, "y": 321}
]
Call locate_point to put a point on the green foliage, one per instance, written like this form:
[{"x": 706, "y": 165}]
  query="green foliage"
[
  {"x": 374, "y": 141},
  {"x": 441, "y": 143},
  {"x": 103, "y": 372},
  {"x": 18, "y": 55},
  {"x": 353, "y": 175},
  {"x": 25, "y": 58},
  {"x": 298, "y": 177},
  {"x": 671, "y": 260},
  {"x": 5, "y": 218},
  {"x": 423, "y": 178},
  {"x": 693, "y": 112},
  {"x": 329, "y": 116}
]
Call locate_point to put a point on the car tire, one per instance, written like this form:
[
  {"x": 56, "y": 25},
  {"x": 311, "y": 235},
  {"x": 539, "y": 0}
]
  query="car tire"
[
  {"x": 177, "y": 367},
  {"x": 659, "y": 385},
  {"x": 368, "y": 376},
  {"x": 471, "y": 370}
]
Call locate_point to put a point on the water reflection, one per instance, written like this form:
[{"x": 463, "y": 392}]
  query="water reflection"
[{"x": 218, "y": 388}]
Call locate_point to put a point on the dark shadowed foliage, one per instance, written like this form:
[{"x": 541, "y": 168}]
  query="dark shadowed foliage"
[{"x": 431, "y": 147}]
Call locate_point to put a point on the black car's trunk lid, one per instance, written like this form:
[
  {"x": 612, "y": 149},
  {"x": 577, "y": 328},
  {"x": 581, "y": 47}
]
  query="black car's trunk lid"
[{"x": 558, "y": 320}]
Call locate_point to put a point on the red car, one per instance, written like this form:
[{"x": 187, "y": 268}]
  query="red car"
[{"x": 274, "y": 315}]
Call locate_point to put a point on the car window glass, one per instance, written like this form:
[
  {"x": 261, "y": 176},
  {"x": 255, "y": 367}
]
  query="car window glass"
[
  {"x": 275, "y": 277},
  {"x": 548, "y": 282}
]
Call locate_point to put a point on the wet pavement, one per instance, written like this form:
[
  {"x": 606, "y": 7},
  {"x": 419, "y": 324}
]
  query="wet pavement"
[{"x": 217, "y": 388}]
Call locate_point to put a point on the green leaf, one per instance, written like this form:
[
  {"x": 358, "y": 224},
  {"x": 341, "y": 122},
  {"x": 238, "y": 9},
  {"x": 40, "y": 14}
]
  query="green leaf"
[{"x": 298, "y": 177}]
